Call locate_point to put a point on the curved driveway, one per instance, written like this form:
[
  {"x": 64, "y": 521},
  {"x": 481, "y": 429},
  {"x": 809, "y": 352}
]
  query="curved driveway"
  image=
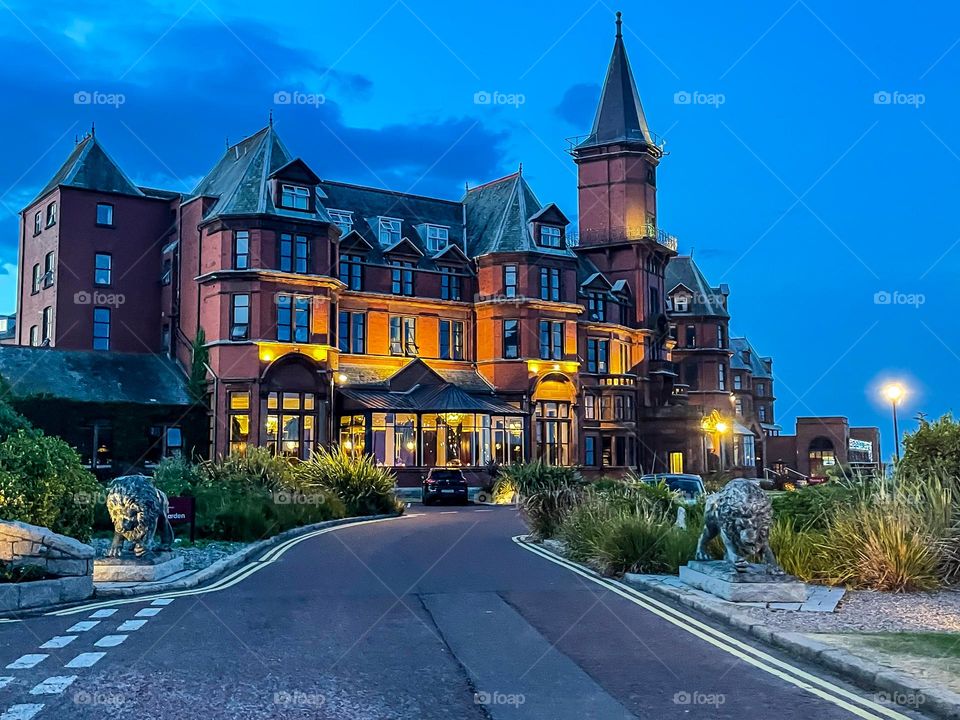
[{"x": 439, "y": 614}]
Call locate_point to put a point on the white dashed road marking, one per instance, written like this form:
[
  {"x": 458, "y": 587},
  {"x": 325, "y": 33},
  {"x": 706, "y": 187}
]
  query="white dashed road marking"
[
  {"x": 22, "y": 712},
  {"x": 26, "y": 661},
  {"x": 162, "y": 601},
  {"x": 449, "y": 512},
  {"x": 104, "y": 613},
  {"x": 148, "y": 612},
  {"x": 85, "y": 660},
  {"x": 128, "y": 625},
  {"x": 54, "y": 685},
  {"x": 83, "y": 626},
  {"x": 109, "y": 641},
  {"x": 4, "y": 681},
  {"x": 60, "y": 641}
]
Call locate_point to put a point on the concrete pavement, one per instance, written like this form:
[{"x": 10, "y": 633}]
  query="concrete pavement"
[{"x": 439, "y": 614}]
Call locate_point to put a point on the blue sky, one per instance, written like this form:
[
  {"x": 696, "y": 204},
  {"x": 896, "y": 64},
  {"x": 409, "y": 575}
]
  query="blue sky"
[{"x": 814, "y": 167}]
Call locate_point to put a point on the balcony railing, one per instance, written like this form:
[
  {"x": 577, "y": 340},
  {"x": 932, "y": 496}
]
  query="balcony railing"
[
  {"x": 652, "y": 139},
  {"x": 624, "y": 233}
]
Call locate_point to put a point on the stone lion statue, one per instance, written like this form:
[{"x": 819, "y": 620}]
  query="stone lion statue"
[
  {"x": 136, "y": 508},
  {"x": 741, "y": 514}
]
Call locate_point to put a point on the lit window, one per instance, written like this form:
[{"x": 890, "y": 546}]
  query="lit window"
[
  {"x": 549, "y": 236},
  {"x": 295, "y": 197},
  {"x": 343, "y": 219},
  {"x": 437, "y": 237},
  {"x": 240, "y": 316},
  {"x": 238, "y": 412},
  {"x": 104, "y": 214},
  {"x": 101, "y": 328},
  {"x": 103, "y": 269},
  {"x": 389, "y": 232}
]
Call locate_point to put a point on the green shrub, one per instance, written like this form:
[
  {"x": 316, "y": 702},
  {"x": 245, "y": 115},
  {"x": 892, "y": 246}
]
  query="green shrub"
[
  {"x": 802, "y": 552},
  {"x": 256, "y": 466},
  {"x": 584, "y": 526},
  {"x": 810, "y": 508},
  {"x": 546, "y": 494},
  {"x": 933, "y": 447},
  {"x": 42, "y": 482},
  {"x": 504, "y": 491},
  {"x": 364, "y": 487},
  {"x": 177, "y": 476}
]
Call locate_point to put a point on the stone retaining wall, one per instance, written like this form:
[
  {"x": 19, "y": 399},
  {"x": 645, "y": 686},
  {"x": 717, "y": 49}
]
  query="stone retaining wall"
[{"x": 71, "y": 561}]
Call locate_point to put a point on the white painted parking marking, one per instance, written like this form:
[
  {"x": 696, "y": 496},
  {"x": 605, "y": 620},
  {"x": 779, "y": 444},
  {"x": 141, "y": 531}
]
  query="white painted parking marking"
[
  {"x": 129, "y": 625},
  {"x": 483, "y": 510},
  {"x": 449, "y": 512},
  {"x": 84, "y": 660},
  {"x": 162, "y": 601},
  {"x": 54, "y": 685},
  {"x": 4, "y": 681},
  {"x": 22, "y": 712},
  {"x": 148, "y": 612},
  {"x": 60, "y": 641},
  {"x": 105, "y": 613},
  {"x": 26, "y": 661},
  {"x": 83, "y": 626},
  {"x": 110, "y": 640}
]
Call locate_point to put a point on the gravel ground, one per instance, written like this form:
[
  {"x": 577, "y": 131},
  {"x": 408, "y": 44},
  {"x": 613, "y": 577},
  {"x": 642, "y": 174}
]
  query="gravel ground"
[
  {"x": 871, "y": 611},
  {"x": 195, "y": 557}
]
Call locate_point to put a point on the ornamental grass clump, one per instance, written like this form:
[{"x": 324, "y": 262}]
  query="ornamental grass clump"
[
  {"x": 364, "y": 487},
  {"x": 546, "y": 494}
]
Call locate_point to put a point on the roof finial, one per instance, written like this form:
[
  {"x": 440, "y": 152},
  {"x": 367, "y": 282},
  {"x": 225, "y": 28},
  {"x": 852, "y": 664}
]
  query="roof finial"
[
  {"x": 619, "y": 24},
  {"x": 520, "y": 169},
  {"x": 93, "y": 129},
  {"x": 271, "y": 117}
]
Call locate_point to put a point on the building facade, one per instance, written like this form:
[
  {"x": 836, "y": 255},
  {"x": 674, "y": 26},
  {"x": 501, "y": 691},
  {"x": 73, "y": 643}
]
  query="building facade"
[{"x": 423, "y": 331}]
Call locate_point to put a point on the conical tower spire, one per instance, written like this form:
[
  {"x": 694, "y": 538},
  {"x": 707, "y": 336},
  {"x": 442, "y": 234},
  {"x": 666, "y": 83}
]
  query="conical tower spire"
[{"x": 619, "y": 115}]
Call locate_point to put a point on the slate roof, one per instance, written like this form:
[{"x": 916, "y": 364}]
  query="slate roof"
[
  {"x": 498, "y": 218},
  {"x": 757, "y": 366},
  {"x": 368, "y": 205},
  {"x": 619, "y": 115},
  {"x": 89, "y": 167},
  {"x": 707, "y": 300},
  {"x": 239, "y": 180},
  {"x": 94, "y": 377}
]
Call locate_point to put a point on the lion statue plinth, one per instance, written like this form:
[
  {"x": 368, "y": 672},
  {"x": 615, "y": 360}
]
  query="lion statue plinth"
[
  {"x": 137, "y": 508},
  {"x": 741, "y": 514}
]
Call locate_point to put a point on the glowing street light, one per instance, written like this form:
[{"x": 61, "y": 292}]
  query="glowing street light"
[{"x": 895, "y": 392}]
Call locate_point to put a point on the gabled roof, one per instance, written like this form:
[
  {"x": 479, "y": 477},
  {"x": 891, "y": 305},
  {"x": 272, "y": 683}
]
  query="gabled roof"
[
  {"x": 619, "y": 115},
  {"x": 754, "y": 363},
  {"x": 354, "y": 239},
  {"x": 550, "y": 213},
  {"x": 89, "y": 167},
  {"x": 452, "y": 250},
  {"x": 499, "y": 215},
  {"x": 403, "y": 246},
  {"x": 706, "y": 300},
  {"x": 239, "y": 180},
  {"x": 94, "y": 377},
  {"x": 297, "y": 168}
]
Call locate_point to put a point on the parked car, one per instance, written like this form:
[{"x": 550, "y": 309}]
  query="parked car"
[
  {"x": 690, "y": 487},
  {"x": 444, "y": 484}
]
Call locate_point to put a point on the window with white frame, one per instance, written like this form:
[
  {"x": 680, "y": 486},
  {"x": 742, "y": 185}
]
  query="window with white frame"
[
  {"x": 681, "y": 303},
  {"x": 295, "y": 197},
  {"x": 438, "y": 237},
  {"x": 390, "y": 231},
  {"x": 343, "y": 219},
  {"x": 550, "y": 236}
]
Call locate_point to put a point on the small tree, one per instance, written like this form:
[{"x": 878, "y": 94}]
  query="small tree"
[{"x": 933, "y": 447}]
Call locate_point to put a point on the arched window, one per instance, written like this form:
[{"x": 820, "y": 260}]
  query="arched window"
[{"x": 821, "y": 455}]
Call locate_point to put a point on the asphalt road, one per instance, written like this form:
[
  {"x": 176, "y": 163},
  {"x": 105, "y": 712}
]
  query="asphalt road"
[{"x": 439, "y": 614}]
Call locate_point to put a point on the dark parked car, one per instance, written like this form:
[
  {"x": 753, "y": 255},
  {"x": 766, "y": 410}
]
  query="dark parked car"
[{"x": 444, "y": 484}]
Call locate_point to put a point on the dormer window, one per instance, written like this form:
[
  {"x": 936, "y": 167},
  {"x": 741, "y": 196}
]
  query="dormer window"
[
  {"x": 681, "y": 303},
  {"x": 343, "y": 219},
  {"x": 549, "y": 236},
  {"x": 294, "y": 197},
  {"x": 390, "y": 229},
  {"x": 438, "y": 237},
  {"x": 596, "y": 307}
]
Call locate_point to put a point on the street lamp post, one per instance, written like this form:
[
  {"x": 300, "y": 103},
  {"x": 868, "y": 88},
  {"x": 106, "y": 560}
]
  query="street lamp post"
[{"x": 894, "y": 392}]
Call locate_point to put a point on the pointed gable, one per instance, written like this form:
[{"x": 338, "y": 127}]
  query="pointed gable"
[
  {"x": 683, "y": 272},
  {"x": 619, "y": 115},
  {"x": 89, "y": 167}
]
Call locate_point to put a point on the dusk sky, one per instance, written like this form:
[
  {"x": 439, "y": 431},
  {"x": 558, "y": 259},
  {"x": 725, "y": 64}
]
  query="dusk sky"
[{"x": 813, "y": 152}]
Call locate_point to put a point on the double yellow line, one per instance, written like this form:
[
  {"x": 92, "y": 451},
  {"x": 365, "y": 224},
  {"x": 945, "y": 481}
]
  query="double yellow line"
[{"x": 859, "y": 706}]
